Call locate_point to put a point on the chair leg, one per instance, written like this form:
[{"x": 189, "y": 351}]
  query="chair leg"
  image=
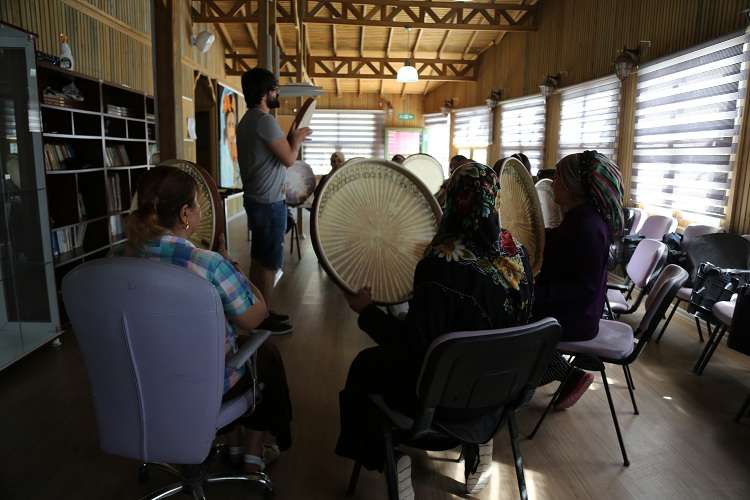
[
  {"x": 551, "y": 402},
  {"x": 354, "y": 479},
  {"x": 718, "y": 334},
  {"x": 743, "y": 410},
  {"x": 631, "y": 387},
  {"x": 296, "y": 237},
  {"x": 700, "y": 331},
  {"x": 625, "y": 460},
  {"x": 669, "y": 318},
  {"x": 390, "y": 464},
  {"x": 517, "y": 457}
]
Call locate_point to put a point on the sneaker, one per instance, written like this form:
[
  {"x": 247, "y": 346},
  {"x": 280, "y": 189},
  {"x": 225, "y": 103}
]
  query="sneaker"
[
  {"x": 573, "y": 389},
  {"x": 281, "y": 318},
  {"x": 403, "y": 476},
  {"x": 477, "y": 480},
  {"x": 275, "y": 327}
]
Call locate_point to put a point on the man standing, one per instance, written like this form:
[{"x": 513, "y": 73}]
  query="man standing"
[{"x": 264, "y": 154}]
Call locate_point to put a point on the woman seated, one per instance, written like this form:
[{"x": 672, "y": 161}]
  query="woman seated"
[
  {"x": 159, "y": 229},
  {"x": 473, "y": 276},
  {"x": 572, "y": 285}
]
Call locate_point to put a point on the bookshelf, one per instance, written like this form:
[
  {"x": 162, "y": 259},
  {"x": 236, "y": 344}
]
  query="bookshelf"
[{"x": 98, "y": 138}]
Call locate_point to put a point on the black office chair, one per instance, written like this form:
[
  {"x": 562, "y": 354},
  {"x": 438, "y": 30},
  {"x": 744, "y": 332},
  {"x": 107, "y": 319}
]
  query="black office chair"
[{"x": 471, "y": 383}]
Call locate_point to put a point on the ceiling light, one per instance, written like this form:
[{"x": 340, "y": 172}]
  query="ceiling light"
[
  {"x": 203, "y": 40},
  {"x": 407, "y": 73}
]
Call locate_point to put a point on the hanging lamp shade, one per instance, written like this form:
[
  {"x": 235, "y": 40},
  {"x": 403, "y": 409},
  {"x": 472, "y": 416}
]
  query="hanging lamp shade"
[{"x": 407, "y": 73}]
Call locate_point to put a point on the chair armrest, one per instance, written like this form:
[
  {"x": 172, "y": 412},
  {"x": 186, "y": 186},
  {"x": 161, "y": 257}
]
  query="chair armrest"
[
  {"x": 617, "y": 286},
  {"x": 255, "y": 339}
]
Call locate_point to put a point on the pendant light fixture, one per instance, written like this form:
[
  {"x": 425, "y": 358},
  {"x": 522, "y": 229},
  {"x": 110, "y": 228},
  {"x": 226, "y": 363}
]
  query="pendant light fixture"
[{"x": 408, "y": 73}]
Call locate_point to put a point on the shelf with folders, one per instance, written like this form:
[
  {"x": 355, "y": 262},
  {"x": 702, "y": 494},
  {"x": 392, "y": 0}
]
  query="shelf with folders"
[{"x": 98, "y": 139}]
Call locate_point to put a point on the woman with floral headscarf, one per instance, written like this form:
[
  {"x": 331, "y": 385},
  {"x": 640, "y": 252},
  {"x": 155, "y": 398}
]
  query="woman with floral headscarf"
[
  {"x": 473, "y": 276},
  {"x": 572, "y": 284}
]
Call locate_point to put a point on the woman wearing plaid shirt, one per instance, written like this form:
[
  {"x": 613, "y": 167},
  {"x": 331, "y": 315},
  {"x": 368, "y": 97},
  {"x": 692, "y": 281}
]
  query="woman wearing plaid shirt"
[{"x": 167, "y": 215}]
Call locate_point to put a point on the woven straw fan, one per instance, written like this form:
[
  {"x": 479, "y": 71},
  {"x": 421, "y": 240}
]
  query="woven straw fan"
[{"x": 371, "y": 223}]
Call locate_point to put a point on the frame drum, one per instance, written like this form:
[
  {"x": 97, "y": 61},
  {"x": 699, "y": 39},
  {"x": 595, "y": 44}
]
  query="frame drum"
[
  {"x": 427, "y": 169},
  {"x": 371, "y": 223},
  {"x": 519, "y": 210}
]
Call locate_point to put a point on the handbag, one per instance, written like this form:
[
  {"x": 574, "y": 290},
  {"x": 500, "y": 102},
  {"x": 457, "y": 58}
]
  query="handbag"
[
  {"x": 713, "y": 284},
  {"x": 739, "y": 333}
]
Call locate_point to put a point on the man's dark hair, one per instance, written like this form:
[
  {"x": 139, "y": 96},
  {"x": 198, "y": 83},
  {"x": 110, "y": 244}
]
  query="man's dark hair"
[{"x": 255, "y": 84}]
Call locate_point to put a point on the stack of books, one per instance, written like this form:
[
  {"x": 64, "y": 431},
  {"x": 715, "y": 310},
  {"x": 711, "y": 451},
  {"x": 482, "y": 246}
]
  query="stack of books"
[{"x": 118, "y": 111}]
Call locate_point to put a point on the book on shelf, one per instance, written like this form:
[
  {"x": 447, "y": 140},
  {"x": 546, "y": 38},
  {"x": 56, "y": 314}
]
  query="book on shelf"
[
  {"x": 68, "y": 239},
  {"x": 114, "y": 194},
  {"x": 81, "y": 207},
  {"x": 57, "y": 156},
  {"x": 116, "y": 226},
  {"x": 116, "y": 156}
]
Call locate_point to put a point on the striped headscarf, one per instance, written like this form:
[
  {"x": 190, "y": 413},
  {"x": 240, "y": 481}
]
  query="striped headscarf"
[{"x": 598, "y": 179}]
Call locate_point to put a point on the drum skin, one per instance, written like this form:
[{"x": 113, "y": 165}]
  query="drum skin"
[{"x": 371, "y": 223}]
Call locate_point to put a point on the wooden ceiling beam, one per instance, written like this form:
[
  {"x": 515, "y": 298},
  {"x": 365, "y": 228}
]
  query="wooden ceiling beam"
[
  {"x": 383, "y": 68},
  {"x": 385, "y": 13},
  {"x": 335, "y": 53},
  {"x": 470, "y": 45}
]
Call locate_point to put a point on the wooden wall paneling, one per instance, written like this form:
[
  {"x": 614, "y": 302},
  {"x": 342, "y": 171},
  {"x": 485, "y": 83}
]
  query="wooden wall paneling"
[
  {"x": 551, "y": 130},
  {"x": 627, "y": 134},
  {"x": 738, "y": 215}
]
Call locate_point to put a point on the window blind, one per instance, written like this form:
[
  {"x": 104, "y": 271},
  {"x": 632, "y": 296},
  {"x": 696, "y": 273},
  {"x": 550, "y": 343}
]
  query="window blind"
[
  {"x": 688, "y": 112},
  {"x": 589, "y": 118},
  {"x": 354, "y": 133},
  {"x": 436, "y": 138},
  {"x": 472, "y": 127},
  {"x": 522, "y": 129}
]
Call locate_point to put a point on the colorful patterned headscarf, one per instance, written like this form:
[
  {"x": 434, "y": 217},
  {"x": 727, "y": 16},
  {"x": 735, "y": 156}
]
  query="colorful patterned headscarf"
[
  {"x": 598, "y": 179},
  {"x": 469, "y": 231}
]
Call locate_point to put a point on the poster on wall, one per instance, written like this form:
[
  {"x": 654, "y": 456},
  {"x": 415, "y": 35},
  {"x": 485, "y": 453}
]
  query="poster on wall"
[
  {"x": 403, "y": 141},
  {"x": 229, "y": 168}
]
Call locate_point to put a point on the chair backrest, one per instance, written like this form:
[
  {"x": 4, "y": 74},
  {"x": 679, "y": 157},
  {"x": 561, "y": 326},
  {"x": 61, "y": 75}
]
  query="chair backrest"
[
  {"x": 638, "y": 220},
  {"x": 648, "y": 256},
  {"x": 551, "y": 211},
  {"x": 695, "y": 230},
  {"x": 725, "y": 250},
  {"x": 152, "y": 337},
  {"x": 658, "y": 301},
  {"x": 656, "y": 226},
  {"x": 484, "y": 370}
]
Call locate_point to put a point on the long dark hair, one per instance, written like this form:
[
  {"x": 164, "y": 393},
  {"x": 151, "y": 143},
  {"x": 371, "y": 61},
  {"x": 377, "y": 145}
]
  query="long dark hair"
[{"x": 162, "y": 192}]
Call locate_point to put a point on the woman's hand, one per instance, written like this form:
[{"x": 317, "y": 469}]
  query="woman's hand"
[{"x": 360, "y": 300}]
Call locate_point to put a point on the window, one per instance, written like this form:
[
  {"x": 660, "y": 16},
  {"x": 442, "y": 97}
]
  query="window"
[
  {"x": 354, "y": 133},
  {"x": 522, "y": 129},
  {"x": 472, "y": 132},
  {"x": 589, "y": 118},
  {"x": 436, "y": 138},
  {"x": 688, "y": 112}
]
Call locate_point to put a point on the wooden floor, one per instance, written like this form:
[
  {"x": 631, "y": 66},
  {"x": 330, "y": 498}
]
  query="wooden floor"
[{"x": 683, "y": 445}]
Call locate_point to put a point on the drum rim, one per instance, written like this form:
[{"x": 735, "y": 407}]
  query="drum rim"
[
  {"x": 432, "y": 202},
  {"x": 298, "y": 117},
  {"x": 218, "y": 215},
  {"x": 518, "y": 165},
  {"x": 295, "y": 205}
]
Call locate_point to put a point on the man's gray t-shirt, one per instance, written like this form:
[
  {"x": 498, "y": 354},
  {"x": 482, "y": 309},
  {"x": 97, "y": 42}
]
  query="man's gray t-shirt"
[{"x": 263, "y": 174}]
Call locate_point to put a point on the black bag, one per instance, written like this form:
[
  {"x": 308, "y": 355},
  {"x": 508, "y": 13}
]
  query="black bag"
[
  {"x": 713, "y": 284},
  {"x": 675, "y": 253},
  {"x": 739, "y": 334}
]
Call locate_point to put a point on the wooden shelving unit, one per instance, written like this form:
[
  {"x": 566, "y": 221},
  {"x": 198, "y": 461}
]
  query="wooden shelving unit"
[{"x": 95, "y": 149}]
